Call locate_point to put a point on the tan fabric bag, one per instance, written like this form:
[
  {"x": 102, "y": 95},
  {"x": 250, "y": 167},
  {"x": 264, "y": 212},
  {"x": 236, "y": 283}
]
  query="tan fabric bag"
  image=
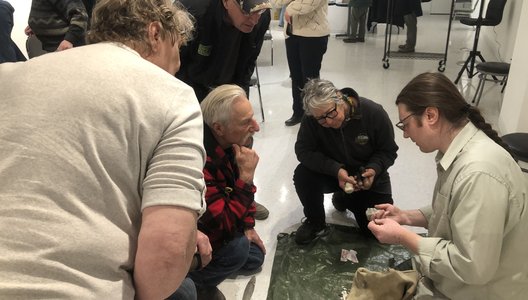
[{"x": 388, "y": 285}]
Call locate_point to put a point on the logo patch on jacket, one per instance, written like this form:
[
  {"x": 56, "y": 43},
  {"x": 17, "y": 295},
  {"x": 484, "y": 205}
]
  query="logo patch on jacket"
[
  {"x": 204, "y": 50},
  {"x": 362, "y": 139}
]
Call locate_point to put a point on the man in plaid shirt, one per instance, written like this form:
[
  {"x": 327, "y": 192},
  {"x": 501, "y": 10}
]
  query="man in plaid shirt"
[{"x": 228, "y": 222}]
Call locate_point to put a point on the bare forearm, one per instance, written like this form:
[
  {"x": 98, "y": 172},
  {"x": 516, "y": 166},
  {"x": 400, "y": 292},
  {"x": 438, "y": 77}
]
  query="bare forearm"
[
  {"x": 414, "y": 218},
  {"x": 163, "y": 258},
  {"x": 410, "y": 240}
]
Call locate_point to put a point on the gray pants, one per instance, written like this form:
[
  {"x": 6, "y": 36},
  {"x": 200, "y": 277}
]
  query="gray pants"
[
  {"x": 359, "y": 17},
  {"x": 411, "y": 23}
]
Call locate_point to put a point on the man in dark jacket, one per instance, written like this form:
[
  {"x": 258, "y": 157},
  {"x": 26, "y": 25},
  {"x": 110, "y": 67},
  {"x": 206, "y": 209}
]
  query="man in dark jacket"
[
  {"x": 228, "y": 38},
  {"x": 227, "y": 42},
  {"x": 345, "y": 144}
]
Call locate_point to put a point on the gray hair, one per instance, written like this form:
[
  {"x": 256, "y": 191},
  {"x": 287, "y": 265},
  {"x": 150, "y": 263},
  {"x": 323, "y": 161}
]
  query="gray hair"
[
  {"x": 318, "y": 93},
  {"x": 126, "y": 22},
  {"x": 216, "y": 107}
]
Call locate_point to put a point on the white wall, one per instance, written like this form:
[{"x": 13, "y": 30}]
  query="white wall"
[
  {"x": 497, "y": 42},
  {"x": 337, "y": 19},
  {"x": 20, "y": 17}
]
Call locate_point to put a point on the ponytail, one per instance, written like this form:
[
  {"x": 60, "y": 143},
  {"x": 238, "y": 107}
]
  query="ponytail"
[{"x": 477, "y": 119}]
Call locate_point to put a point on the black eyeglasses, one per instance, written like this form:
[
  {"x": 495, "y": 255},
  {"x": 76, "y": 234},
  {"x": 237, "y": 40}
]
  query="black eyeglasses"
[
  {"x": 330, "y": 115},
  {"x": 400, "y": 124}
]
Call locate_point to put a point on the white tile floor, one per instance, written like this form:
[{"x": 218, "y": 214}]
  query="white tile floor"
[{"x": 354, "y": 65}]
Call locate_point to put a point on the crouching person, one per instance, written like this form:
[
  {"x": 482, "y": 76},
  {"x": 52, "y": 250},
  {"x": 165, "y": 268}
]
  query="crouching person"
[
  {"x": 229, "y": 170},
  {"x": 345, "y": 144}
]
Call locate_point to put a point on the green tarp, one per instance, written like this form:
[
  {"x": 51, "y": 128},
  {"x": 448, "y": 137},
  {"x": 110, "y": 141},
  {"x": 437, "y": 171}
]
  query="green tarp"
[{"x": 315, "y": 271}]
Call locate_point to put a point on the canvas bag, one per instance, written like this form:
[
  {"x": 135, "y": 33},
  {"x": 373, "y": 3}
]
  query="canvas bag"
[{"x": 387, "y": 285}]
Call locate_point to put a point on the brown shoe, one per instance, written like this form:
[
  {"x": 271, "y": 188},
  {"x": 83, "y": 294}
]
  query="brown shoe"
[
  {"x": 262, "y": 212},
  {"x": 209, "y": 293}
]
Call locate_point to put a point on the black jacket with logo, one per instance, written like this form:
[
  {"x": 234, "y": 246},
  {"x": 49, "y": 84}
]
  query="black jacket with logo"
[
  {"x": 366, "y": 140},
  {"x": 219, "y": 53}
]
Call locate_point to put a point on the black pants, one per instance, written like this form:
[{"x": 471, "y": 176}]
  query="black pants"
[
  {"x": 311, "y": 187},
  {"x": 305, "y": 55}
]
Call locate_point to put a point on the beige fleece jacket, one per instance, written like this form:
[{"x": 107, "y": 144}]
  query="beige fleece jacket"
[{"x": 308, "y": 17}]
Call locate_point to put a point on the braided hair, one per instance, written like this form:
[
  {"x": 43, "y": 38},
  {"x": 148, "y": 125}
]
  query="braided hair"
[{"x": 436, "y": 90}]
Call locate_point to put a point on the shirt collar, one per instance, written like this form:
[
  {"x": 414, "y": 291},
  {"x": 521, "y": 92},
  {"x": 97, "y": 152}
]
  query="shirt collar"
[{"x": 461, "y": 139}]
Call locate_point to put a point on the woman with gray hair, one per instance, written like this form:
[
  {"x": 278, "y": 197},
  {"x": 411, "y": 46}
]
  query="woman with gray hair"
[{"x": 345, "y": 145}]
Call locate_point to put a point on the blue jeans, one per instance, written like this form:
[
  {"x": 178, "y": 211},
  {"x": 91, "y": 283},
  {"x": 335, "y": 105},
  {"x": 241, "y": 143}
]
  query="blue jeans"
[
  {"x": 186, "y": 291},
  {"x": 235, "y": 256},
  {"x": 281, "y": 17}
]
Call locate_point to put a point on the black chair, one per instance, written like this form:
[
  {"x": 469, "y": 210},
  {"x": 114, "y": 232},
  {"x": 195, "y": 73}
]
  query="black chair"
[
  {"x": 493, "y": 18},
  {"x": 518, "y": 142},
  {"x": 494, "y": 69}
]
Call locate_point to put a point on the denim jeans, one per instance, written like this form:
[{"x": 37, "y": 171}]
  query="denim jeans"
[
  {"x": 281, "y": 16},
  {"x": 186, "y": 291},
  {"x": 238, "y": 255}
]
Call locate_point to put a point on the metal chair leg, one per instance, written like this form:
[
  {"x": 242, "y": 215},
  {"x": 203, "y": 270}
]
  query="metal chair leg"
[
  {"x": 477, "y": 91},
  {"x": 260, "y": 95},
  {"x": 483, "y": 80}
]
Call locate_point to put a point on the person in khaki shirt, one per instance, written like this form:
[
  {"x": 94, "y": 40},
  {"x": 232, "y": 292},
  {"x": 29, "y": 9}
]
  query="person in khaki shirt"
[{"x": 478, "y": 219}]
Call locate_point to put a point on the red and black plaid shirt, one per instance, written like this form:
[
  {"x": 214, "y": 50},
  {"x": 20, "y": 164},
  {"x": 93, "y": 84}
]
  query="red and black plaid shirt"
[{"x": 230, "y": 201}]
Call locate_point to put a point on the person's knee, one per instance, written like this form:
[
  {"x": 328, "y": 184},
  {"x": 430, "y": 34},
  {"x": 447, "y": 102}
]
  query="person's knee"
[
  {"x": 233, "y": 255},
  {"x": 255, "y": 258},
  {"x": 240, "y": 251},
  {"x": 302, "y": 176},
  {"x": 186, "y": 291}
]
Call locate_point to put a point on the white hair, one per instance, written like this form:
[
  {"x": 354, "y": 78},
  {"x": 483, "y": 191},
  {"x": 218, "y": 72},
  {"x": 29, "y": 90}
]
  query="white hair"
[{"x": 216, "y": 107}]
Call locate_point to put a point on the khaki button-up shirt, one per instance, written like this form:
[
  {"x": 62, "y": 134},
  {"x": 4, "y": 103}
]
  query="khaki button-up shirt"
[{"x": 478, "y": 224}]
